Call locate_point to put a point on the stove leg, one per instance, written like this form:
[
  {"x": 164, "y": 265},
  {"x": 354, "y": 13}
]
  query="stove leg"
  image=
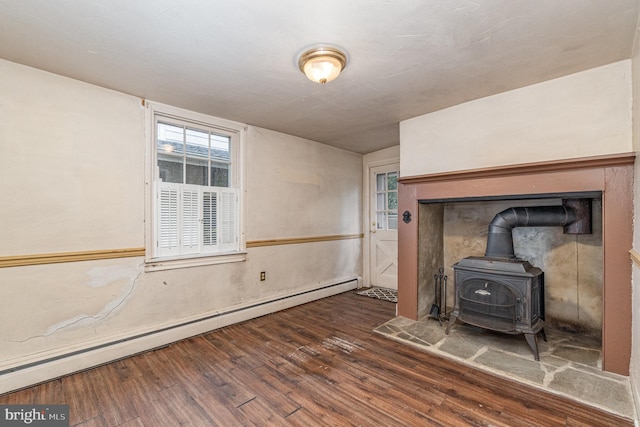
[
  {"x": 544, "y": 335},
  {"x": 532, "y": 340}
]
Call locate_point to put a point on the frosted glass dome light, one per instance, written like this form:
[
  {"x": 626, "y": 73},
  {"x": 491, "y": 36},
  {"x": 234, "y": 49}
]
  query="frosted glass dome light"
[{"x": 322, "y": 64}]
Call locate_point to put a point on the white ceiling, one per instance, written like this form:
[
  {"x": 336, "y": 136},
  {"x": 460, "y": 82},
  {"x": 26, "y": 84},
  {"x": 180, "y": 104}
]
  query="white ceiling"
[{"x": 236, "y": 59}]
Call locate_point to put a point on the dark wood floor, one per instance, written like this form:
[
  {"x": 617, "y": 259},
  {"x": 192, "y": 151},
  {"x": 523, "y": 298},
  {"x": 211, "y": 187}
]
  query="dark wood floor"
[{"x": 318, "y": 364}]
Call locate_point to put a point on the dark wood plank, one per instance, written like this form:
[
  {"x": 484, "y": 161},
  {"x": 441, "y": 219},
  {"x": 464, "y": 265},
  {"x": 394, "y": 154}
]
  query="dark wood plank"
[
  {"x": 84, "y": 405},
  {"x": 184, "y": 408},
  {"x": 147, "y": 401},
  {"x": 108, "y": 386},
  {"x": 315, "y": 364},
  {"x": 267, "y": 389}
]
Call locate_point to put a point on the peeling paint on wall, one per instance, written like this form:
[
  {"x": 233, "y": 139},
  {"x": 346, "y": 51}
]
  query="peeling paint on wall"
[{"x": 100, "y": 276}]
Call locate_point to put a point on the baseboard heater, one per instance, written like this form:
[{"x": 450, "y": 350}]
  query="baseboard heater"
[{"x": 260, "y": 309}]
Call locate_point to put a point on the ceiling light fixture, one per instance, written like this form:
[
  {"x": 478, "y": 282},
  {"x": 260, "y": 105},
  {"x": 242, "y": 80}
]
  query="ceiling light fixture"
[{"x": 322, "y": 64}]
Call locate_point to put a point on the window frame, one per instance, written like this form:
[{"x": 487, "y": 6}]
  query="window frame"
[
  {"x": 386, "y": 212},
  {"x": 237, "y": 131}
]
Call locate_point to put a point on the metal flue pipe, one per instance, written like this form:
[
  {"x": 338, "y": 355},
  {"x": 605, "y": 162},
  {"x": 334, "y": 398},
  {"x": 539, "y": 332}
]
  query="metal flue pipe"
[{"x": 500, "y": 237}]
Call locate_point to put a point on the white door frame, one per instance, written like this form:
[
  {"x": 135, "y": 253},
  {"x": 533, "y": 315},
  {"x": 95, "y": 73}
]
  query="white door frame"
[{"x": 381, "y": 158}]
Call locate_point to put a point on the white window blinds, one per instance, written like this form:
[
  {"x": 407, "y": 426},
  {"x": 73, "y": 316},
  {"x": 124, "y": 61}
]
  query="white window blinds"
[{"x": 194, "y": 219}]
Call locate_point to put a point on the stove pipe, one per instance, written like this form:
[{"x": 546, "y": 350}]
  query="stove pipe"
[{"x": 574, "y": 215}]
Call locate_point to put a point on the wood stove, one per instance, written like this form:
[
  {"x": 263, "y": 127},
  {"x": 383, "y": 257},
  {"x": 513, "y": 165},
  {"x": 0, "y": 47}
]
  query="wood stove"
[
  {"x": 502, "y": 295},
  {"x": 502, "y": 292}
]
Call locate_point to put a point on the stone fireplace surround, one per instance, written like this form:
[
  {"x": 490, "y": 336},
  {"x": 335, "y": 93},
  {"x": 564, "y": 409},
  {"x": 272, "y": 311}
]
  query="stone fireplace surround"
[{"x": 612, "y": 175}]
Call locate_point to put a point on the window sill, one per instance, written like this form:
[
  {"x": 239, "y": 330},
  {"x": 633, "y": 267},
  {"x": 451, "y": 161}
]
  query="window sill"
[{"x": 159, "y": 264}]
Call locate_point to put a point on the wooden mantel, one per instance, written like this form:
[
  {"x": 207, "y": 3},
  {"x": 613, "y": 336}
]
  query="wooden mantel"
[{"x": 612, "y": 175}]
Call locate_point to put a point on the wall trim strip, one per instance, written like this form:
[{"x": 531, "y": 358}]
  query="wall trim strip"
[
  {"x": 53, "y": 258},
  {"x": 622, "y": 159},
  {"x": 635, "y": 257},
  {"x": 297, "y": 240}
]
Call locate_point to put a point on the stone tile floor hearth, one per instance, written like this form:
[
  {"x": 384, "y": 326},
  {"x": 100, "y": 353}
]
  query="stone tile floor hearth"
[{"x": 570, "y": 363}]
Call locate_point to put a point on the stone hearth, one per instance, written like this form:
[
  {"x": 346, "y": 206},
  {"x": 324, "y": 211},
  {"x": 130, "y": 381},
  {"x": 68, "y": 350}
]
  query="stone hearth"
[{"x": 570, "y": 364}]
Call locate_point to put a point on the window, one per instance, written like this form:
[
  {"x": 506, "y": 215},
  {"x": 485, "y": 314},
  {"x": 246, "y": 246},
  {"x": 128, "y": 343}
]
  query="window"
[
  {"x": 196, "y": 191},
  {"x": 387, "y": 201}
]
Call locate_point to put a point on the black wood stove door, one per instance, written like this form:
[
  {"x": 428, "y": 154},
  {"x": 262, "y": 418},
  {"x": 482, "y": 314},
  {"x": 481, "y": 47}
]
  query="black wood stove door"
[{"x": 488, "y": 304}]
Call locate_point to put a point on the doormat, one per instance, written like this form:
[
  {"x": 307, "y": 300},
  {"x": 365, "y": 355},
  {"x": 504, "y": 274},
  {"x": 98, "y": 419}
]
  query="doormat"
[{"x": 380, "y": 293}]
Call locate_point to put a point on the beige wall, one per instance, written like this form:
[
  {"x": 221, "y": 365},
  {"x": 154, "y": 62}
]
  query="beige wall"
[
  {"x": 69, "y": 150},
  {"x": 317, "y": 189},
  {"x": 584, "y": 114},
  {"x": 73, "y": 179}
]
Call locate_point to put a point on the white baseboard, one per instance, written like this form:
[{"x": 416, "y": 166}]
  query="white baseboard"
[{"x": 34, "y": 373}]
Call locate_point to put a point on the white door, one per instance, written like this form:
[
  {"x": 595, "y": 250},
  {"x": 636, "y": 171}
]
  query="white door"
[{"x": 383, "y": 226}]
